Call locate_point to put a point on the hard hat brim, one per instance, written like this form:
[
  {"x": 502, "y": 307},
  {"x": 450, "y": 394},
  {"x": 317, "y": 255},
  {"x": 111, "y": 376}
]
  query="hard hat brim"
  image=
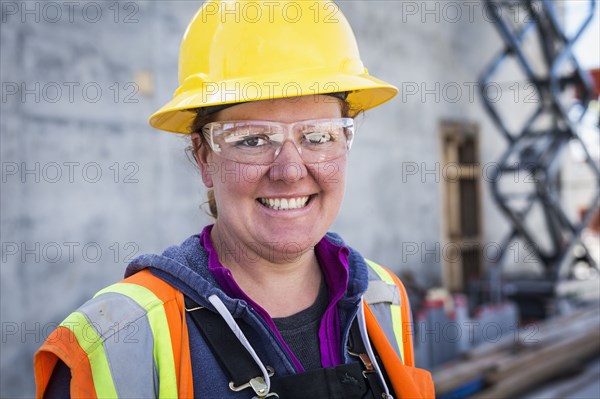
[{"x": 365, "y": 92}]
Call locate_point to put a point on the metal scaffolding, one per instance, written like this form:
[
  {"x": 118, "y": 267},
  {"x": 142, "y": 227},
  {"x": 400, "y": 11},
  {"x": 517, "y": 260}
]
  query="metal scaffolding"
[{"x": 536, "y": 151}]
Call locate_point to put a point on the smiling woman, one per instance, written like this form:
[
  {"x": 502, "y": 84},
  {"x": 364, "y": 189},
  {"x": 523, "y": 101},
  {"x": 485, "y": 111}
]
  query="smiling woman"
[{"x": 265, "y": 302}]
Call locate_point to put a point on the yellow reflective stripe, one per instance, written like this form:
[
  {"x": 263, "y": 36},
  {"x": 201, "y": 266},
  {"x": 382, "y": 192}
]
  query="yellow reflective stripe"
[
  {"x": 381, "y": 272},
  {"x": 394, "y": 309},
  {"x": 91, "y": 343},
  {"x": 163, "y": 348},
  {"x": 397, "y": 326}
]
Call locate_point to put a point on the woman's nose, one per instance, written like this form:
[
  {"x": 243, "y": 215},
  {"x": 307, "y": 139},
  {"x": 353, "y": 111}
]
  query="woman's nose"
[{"x": 288, "y": 164}]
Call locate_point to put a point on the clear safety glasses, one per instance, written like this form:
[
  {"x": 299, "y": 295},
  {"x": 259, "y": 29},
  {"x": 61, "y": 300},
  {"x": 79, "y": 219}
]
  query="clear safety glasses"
[{"x": 259, "y": 142}]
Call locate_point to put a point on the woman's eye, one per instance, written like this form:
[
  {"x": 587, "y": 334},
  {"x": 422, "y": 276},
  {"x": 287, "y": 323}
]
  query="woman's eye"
[
  {"x": 253, "y": 141},
  {"x": 319, "y": 137}
]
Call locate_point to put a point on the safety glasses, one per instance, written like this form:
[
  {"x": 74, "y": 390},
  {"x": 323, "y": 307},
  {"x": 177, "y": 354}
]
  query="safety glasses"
[{"x": 260, "y": 142}]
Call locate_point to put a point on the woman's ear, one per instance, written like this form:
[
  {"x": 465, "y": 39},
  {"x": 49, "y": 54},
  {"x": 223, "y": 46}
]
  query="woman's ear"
[{"x": 202, "y": 156}]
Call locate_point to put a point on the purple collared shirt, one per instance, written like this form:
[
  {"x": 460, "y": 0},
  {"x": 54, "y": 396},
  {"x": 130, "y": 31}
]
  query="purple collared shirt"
[{"x": 333, "y": 260}]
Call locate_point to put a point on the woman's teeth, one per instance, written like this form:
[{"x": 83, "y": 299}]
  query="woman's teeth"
[{"x": 283, "y": 204}]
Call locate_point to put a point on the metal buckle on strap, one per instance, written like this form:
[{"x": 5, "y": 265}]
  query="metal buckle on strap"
[
  {"x": 366, "y": 361},
  {"x": 257, "y": 384},
  {"x": 269, "y": 395}
]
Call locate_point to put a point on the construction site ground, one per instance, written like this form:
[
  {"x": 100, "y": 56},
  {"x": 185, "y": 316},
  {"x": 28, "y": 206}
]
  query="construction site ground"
[{"x": 584, "y": 384}]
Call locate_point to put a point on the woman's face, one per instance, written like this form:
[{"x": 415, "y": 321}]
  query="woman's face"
[{"x": 243, "y": 193}]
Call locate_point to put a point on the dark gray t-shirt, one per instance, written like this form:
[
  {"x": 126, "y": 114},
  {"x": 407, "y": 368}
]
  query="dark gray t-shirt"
[{"x": 301, "y": 330}]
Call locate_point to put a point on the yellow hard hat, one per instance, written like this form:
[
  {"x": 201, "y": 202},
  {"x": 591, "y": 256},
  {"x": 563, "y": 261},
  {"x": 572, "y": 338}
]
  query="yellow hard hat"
[{"x": 239, "y": 51}]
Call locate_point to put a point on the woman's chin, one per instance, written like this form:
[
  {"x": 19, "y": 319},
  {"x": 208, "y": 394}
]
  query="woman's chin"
[
  {"x": 288, "y": 242},
  {"x": 301, "y": 236}
]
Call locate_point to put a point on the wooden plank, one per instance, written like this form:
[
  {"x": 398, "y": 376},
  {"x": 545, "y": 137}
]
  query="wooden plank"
[
  {"x": 455, "y": 374},
  {"x": 523, "y": 379},
  {"x": 527, "y": 336},
  {"x": 568, "y": 386},
  {"x": 567, "y": 349},
  {"x": 559, "y": 342}
]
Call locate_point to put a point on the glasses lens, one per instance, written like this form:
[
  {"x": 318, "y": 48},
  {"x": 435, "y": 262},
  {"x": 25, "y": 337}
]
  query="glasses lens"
[
  {"x": 324, "y": 140},
  {"x": 260, "y": 141},
  {"x": 248, "y": 141}
]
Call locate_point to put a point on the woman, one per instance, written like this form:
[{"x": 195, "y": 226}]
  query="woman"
[{"x": 265, "y": 302}]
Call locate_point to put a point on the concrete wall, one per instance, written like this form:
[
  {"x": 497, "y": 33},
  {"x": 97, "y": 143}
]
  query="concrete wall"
[{"x": 87, "y": 185}]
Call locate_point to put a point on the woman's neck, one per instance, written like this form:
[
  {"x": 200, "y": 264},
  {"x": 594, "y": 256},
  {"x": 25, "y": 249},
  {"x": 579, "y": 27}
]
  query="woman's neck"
[{"x": 281, "y": 284}]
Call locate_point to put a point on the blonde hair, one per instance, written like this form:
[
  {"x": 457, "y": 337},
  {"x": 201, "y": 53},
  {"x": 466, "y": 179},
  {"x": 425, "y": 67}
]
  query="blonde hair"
[{"x": 202, "y": 118}]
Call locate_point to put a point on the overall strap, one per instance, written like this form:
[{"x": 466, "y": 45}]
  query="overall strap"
[
  {"x": 229, "y": 351},
  {"x": 347, "y": 381},
  {"x": 356, "y": 348}
]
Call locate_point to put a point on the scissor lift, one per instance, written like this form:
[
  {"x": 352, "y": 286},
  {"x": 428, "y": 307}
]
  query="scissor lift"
[{"x": 536, "y": 152}]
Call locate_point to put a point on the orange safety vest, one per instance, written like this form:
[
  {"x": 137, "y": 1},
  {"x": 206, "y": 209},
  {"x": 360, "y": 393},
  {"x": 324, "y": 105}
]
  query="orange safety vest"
[{"x": 93, "y": 340}]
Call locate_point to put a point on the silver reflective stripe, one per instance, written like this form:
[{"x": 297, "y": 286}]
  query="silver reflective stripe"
[
  {"x": 372, "y": 274},
  {"x": 128, "y": 343},
  {"x": 384, "y": 300},
  {"x": 381, "y": 292},
  {"x": 382, "y": 313}
]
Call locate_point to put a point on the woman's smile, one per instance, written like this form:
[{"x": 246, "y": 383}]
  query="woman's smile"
[{"x": 284, "y": 203}]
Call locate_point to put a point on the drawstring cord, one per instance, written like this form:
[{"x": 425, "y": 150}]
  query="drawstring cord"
[
  {"x": 235, "y": 328},
  {"x": 362, "y": 327}
]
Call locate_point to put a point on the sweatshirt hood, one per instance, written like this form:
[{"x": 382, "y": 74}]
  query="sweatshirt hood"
[{"x": 185, "y": 267}]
